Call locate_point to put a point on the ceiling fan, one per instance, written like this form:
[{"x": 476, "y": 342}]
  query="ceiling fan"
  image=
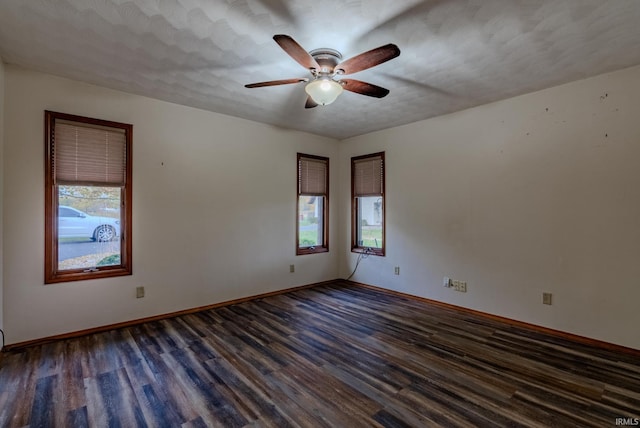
[{"x": 324, "y": 65}]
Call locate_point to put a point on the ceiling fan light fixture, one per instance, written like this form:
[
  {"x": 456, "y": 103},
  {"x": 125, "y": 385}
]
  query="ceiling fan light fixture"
[{"x": 324, "y": 91}]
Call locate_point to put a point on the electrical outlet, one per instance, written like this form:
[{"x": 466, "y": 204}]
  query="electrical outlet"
[
  {"x": 446, "y": 281},
  {"x": 546, "y": 298},
  {"x": 292, "y": 268},
  {"x": 457, "y": 285},
  {"x": 396, "y": 270},
  {"x": 139, "y": 292}
]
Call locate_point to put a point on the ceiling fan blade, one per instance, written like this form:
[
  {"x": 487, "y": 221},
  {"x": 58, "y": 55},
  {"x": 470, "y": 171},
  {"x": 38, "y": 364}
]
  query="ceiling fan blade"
[
  {"x": 310, "y": 103},
  {"x": 364, "y": 88},
  {"x": 276, "y": 82},
  {"x": 368, "y": 59},
  {"x": 296, "y": 51}
]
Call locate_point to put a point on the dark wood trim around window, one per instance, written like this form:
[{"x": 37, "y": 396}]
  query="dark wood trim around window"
[
  {"x": 354, "y": 209},
  {"x": 325, "y": 214},
  {"x": 52, "y": 274}
]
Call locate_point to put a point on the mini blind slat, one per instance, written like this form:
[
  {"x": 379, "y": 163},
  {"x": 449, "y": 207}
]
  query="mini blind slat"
[
  {"x": 84, "y": 154},
  {"x": 367, "y": 177},
  {"x": 312, "y": 176}
]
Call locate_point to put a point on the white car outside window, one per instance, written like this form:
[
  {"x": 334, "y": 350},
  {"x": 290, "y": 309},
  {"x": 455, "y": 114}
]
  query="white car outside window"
[{"x": 73, "y": 223}]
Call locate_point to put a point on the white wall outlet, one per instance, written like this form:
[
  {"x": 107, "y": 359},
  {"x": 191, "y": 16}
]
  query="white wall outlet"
[
  {"x": 457, "y": 285},
  {"x": 463, "y": 287},
  {"x": 139, "y": 292},
  {"x": 546, "y": 298},
  {"x": 446, "y": 281},
  {"x": 292, "y": 268},
  {"x": 396, "y": 270}
]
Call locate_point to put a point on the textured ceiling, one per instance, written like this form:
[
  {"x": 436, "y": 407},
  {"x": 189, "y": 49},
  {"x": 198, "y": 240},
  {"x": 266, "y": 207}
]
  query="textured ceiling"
[{"x": 455, "y": 53}]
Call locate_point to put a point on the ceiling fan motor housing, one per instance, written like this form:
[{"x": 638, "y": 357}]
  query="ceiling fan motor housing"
[{"x": 326, "y": 58}]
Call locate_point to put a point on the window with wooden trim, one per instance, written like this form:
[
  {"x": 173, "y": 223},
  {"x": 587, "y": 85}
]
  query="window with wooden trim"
[
  {"x": 312, "y": 208},
  {"x": 87, "y": 198},
  {"x": 367, "y": 204}
]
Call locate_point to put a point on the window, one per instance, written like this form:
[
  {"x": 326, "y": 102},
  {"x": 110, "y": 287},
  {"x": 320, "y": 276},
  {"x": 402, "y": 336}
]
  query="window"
[
  {"x": 313, "y": 205},
  {"x": 367, "y": 204},
  {"x": 87, "y": 198}
]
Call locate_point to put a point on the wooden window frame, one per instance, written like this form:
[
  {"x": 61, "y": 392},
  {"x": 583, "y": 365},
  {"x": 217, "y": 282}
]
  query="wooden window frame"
[
  {"x": 325, "y": 210},
  {"x": 52, "y": 273},
  {"x": 355, "y": 248}
]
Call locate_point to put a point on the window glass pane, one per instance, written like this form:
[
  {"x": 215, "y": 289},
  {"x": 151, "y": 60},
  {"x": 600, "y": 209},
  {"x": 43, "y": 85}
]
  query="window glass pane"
[
  {"x": 67, "y": 212},
  {"x": 88, "y": 227},
  {"x": 370, "y": 219},
  {"x": 310, "y": 223}
]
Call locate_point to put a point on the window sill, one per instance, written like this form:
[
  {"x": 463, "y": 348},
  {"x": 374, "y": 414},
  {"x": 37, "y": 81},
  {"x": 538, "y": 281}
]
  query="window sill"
[
  {"x": 369, "y": 250},
  {"x": 82, "y": 275},
  {"x": 311, "y": 250}
]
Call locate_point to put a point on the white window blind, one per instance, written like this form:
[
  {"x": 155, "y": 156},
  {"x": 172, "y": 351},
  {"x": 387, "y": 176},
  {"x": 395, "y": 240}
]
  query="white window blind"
[
  {"x": 89, "y": 155},
  {"x": 368, "y": 176},
  {"x": 312, "y": 176}
]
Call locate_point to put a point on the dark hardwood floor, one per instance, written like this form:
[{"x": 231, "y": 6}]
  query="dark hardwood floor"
[{"x": 333, "y": 356}]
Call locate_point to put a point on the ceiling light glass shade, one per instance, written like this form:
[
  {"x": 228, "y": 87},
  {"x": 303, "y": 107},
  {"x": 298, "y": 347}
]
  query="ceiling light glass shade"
[{"x": 324, "y": 91}]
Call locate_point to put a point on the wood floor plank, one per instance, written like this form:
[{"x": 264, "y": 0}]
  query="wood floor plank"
[
  {"x": 165, "y": 384},
  {"x": 43, "y": 409},
  {"x": 394, "y": 403},
  {"x": 72, "y": 383},
  {"x": 22, "y": 387},
  {"x": 332, "y": 355},
  {"x": 78, "y": 418},
  {"x": 161, "y": 412}
]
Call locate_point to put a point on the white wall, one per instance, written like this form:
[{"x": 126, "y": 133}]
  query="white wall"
[
  {"x": 1, "y": 192},
  {"x": 535, "y": 193},
  {"x": 213, "y": 209}
]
